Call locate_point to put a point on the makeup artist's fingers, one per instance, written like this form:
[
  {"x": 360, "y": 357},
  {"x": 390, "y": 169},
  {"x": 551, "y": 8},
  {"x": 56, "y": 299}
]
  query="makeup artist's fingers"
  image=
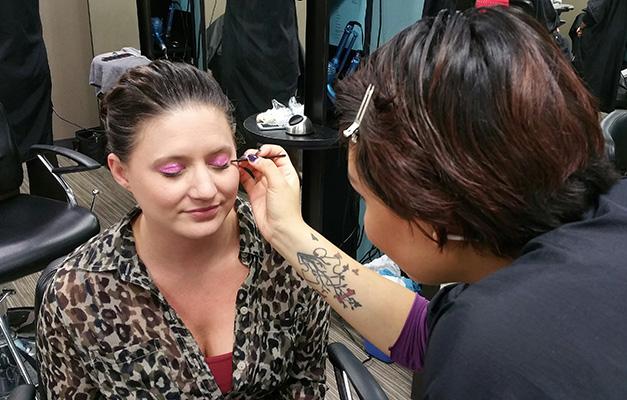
[
  {"x": 273, "y": 190},
  {"x": 268, "y": 165},
  {"x": 246, "y": 179},
  {"x": 284, "y": 163},
  {"x": 276, "y": 153},
  {"x": 268, "y": 169},
  {"x": 248, "y": 174},
  {"x": 272, "y": 150},
  {"x": 269, "y": 150}
]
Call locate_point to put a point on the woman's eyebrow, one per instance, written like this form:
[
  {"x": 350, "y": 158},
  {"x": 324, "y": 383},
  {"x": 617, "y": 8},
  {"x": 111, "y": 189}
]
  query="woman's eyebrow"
[{"x": 172, "y": 158}]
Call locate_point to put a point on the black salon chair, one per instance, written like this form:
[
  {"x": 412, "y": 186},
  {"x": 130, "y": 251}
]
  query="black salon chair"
[
  {"x": 22, "y": 392},
  {"x": 527, "y": 6},
  {"x": 27, "y": 392},
  {"x": 614, "y": 127},
  {"x": 349, "y": 371},
  {"x": 35, "y": 229}
]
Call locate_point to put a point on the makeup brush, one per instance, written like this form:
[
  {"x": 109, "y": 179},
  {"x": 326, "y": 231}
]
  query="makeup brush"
[{"x": 253, "y": 157}]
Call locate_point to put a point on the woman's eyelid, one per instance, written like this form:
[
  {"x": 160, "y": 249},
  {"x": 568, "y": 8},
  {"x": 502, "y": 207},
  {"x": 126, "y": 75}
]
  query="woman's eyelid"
[
  {"x": 171, "y": 168},
  {"x": 220, "y": 161}
]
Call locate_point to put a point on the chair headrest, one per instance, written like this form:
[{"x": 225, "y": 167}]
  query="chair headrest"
[
  {"x": 10, "y": 164},
  {"x": 527, "y": 6},
  {"x": 614, "y": 128}
]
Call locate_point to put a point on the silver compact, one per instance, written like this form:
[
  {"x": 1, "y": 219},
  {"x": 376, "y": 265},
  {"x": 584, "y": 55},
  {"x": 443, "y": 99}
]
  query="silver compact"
[{"x": 299, "y": 125}]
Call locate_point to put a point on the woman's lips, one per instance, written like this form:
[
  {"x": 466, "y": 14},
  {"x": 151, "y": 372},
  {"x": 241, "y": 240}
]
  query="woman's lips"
[{"x": 204, "y": 212}]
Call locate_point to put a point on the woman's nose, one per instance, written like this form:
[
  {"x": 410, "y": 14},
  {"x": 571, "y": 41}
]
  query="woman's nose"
[{"x": 203, "y": 185}]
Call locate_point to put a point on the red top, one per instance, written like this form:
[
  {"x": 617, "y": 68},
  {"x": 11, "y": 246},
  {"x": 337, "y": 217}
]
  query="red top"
[
  {"x": 491, "y": 3},
  {"x": 222, "y": 369}
]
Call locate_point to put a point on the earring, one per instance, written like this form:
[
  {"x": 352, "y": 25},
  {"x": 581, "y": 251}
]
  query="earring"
[{"x": 453, "y": 238}]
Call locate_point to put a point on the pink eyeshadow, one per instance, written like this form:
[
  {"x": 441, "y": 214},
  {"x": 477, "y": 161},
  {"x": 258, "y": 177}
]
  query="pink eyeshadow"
[
  {"x": 171, "y": 168},
  {"x": 220, "y": 160}
]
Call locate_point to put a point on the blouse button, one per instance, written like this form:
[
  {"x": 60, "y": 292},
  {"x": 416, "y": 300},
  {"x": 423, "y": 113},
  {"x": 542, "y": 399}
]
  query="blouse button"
[
  {"x": 244, "y": 310},
  {"x": 241, "y": 365}
]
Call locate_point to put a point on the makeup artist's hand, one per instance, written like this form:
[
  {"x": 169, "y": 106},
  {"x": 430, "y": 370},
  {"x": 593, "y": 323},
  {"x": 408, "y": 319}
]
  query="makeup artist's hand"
[{"x": 274, "y": 192}]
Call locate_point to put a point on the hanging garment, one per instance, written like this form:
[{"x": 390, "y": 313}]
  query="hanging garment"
[
  {"x": 431, "y": 8},
  {"x": 25, "y": 85},
  {"x": 602, "y": 47},
  {"x": 260, "y": 54}
]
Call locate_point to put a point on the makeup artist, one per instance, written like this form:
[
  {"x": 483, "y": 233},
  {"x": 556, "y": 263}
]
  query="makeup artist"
[{"x": 480, "y": 159}]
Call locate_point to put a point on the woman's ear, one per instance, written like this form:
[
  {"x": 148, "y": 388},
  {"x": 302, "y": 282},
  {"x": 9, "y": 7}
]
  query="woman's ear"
[{"x": 118, "y": 170}]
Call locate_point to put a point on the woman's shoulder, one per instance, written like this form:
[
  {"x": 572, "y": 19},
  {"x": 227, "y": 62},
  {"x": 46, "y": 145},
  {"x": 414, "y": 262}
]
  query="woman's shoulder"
[{"x": 100, "y": 255}]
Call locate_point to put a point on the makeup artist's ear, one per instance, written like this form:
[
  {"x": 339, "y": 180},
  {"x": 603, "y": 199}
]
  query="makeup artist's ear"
[{"x": 118, "y": 170}]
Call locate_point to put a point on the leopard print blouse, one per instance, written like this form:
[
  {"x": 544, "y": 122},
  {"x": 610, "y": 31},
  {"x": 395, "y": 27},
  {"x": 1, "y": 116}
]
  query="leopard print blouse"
[{"x": 105, "y": 330}]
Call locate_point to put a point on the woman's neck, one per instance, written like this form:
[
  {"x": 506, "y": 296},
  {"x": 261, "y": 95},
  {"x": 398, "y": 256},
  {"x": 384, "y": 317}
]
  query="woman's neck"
[
  {"x": 478, "y": 265},
  {"x": 162, "y": 249}
]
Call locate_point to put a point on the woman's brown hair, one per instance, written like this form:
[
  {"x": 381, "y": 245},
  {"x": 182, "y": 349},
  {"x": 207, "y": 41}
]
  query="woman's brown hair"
[
  {"x": 478, "y": 126},
  {"x": 151, "y": 90}
]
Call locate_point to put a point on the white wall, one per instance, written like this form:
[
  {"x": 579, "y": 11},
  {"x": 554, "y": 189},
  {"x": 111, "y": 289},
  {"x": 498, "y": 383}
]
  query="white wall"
[
  {"x": 301, "y": 14},
  {"x": 66, "y": 34},
  {"x": 220, "y": 6},
  {"x": 113, "y": 24}
]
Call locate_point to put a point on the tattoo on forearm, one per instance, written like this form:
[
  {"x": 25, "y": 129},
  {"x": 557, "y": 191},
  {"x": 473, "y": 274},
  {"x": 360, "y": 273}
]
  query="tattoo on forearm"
[{"x": 329, "y": 274}]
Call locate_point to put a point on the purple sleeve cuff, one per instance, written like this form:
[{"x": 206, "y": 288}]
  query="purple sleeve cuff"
[{"x": 411, "y": 345}]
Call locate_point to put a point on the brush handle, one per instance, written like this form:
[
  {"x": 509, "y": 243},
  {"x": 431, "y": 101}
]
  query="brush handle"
[{"x": 241, "y": 159}]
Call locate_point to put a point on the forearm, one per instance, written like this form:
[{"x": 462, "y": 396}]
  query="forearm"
[{"x": 376, "y": 307}]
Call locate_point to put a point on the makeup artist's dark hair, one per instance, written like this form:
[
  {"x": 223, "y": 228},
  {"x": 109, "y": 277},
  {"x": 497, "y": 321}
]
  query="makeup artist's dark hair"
[
  {"x": 479, "y": 127},
  {"x": 151, "y": 90}
]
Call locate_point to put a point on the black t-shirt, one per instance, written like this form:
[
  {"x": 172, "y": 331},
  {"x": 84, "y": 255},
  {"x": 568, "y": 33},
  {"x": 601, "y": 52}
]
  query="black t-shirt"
[{"x": 553, "y": 325}]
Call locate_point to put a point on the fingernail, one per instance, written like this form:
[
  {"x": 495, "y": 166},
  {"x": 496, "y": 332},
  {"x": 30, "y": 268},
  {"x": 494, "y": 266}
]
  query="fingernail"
[{"x": 251, "y": 157}]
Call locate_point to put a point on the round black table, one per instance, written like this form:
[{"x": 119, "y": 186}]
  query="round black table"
[
  {"x": 322, "y": 138},
  {"x": 314, "y": 162}
]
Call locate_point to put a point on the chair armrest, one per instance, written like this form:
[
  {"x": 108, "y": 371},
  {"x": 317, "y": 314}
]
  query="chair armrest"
[
  {"x": 84, "y": 163},
  {"x": 361, "y": 379},
  {"x": 46, "y": 180},
  {"x": 614, "y": 127},
  {"x": 22, "y": 392}
]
